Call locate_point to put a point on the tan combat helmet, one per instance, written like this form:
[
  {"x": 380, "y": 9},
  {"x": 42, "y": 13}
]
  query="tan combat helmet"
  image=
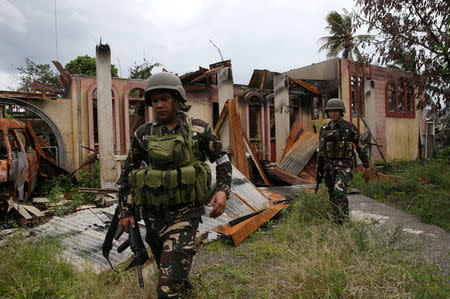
[
  {"x": 165, "y": 80},
  {"x": 335, "y": 104}
]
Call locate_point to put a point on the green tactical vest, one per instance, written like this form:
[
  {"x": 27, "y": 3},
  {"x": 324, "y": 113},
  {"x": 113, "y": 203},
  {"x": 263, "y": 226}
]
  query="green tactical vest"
[
  {"x": 338, "y": 144},
  {"x": 174, "y": 175}
]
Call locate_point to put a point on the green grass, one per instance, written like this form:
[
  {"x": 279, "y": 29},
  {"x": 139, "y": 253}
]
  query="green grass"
[
  {"x": 33, "y": 268},
  {"x": 307, "y": 256},
  {"x": 61, "y": 185},
  {"x": 421, "y": 189}
]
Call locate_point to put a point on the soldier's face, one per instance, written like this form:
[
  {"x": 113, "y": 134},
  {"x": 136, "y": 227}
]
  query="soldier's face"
[
  {"x": 334, "y": 115},
  {"x": 162, "y": 103}
]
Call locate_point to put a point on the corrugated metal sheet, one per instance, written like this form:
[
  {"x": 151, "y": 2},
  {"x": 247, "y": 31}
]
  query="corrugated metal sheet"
[
  {"x": 83, "y": 232},
  {"x": 244, "y": 189},
  {"x": 301, "y": 152}
]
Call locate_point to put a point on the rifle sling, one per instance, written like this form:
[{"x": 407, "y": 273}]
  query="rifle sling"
[{"x": 107, "y": 244}]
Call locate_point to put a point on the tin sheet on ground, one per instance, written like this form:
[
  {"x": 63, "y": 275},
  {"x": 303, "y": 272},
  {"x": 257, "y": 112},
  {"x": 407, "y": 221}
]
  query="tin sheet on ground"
[{"x": 83, "y": 232}]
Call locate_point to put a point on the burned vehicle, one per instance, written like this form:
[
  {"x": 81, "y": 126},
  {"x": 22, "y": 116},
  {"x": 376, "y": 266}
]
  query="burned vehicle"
[{"x": 19, "y": 160}]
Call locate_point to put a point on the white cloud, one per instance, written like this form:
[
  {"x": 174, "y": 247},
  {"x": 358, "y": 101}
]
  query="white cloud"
[
  {"x": 276, "y": 35},
  {"x": 12, "y": 17},
  {"x": 7, "y": 81}
]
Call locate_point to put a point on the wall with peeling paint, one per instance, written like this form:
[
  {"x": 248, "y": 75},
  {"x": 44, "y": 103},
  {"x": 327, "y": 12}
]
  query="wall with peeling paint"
[
  {"x": 402, "y": 138},
  {"x": 397, "y": 136}
]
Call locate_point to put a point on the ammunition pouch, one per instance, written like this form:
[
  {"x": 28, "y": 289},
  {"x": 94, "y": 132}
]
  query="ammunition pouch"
[
  {"x": 338, "y": 145},
  {"x": 154, "y": 187},
  {"x": 168, "y": 151}
]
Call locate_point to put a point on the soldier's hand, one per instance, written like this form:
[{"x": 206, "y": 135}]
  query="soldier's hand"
[
  {"x": 366, "y": 175},
  {"x": 125, "y": 223},
  {"x": 219, "y": 200}
]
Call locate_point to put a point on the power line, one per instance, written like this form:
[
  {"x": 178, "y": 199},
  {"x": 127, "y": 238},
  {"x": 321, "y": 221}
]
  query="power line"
[{"x": 56, "y": 35}]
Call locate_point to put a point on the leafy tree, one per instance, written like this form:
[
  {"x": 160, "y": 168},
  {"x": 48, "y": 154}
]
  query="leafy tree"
[
  {"x": 33, "y": 71},
  {"x": 403, "y": 63},
  {"x": 342, "y": 38},
  {"x": 86, "y": 65},
  {"x": 420, "y": 27},
  {"x": 142, "y": 71}
]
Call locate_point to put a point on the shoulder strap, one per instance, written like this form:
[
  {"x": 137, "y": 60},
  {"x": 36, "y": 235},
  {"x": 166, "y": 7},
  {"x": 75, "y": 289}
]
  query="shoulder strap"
[{"x": 146, "y": 129}]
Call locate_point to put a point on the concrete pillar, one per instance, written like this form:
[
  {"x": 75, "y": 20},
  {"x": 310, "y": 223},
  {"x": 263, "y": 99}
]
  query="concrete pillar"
[
  {"x": 225, "y": 93},
  {"x": 108, "y": 169},
  {"x": 281, "y": 107},
  {"x": 370, "y": 114}
]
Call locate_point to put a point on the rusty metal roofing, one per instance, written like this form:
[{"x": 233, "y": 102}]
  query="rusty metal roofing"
[
  {"x": 186, "y": 78},
  {"x": 208, "y": 73},
  {"x": 40, "y": 86},
  {"x": 27, "y": 95},
  {"x": 83, "y": 232},
  {"x": 262, "y": 79},
  {"x": 300, "y": 153}
]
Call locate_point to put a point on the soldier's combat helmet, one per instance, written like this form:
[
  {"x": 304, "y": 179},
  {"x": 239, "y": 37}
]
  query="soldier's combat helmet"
[
  {"x": 168, "y": 81},
  {"x": 335, "y": 104}
]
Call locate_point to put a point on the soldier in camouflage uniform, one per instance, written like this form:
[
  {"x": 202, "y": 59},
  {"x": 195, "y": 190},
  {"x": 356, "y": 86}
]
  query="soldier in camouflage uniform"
[
  {"x": 165, "y": 173},
  {"x": 335, "y": 161}
]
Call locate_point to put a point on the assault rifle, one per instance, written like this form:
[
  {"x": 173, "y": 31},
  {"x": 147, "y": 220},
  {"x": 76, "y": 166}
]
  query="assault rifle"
[
  {"x": 319, "y": 173},
  {"x": 134, "y": 241}
]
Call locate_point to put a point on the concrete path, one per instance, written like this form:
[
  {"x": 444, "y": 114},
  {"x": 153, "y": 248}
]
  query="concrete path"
[{"x": 432, "y": 241}]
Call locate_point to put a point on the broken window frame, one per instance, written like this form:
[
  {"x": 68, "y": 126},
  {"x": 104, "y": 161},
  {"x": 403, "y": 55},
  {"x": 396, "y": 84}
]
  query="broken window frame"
[
  {"x": 92, "y": 117},
  {"x": 295, "y": 110},
  {"x": 357, "y": 74},
  {"x": 399, "y": 99},
  {"x": 315, "y": 107},
  {"x": 255, "y": 100},
  {"x": 129, "y": 98},
  {"x": 270, "y": 128}
]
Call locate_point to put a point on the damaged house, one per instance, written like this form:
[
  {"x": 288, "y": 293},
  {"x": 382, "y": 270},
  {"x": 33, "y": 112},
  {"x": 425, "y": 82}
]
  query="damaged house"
[
  {"x": 269, "y": 127},
  {"x": 268, "y": 107}
]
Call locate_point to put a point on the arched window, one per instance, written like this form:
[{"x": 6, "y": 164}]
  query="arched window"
[
  {"x": 136, "y": 112},
  {"x": 93, "y": 121},
  {"x": 391, "y": 97},
  {"x": 255, "y": 122},
  {"x": 399, "y": 99},
  {"x": 254, "y": 116}
]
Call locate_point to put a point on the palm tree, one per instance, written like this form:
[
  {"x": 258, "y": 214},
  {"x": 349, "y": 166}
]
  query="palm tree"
[{"x": 342, "y": 38}]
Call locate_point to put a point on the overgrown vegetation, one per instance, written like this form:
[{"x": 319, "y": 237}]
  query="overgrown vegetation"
[
  {"x": 34, "y": 269},
  {"x": 421, "y": 189},
  {"x": 65, "y": 187},
  {"x": 305, "y": 255}
]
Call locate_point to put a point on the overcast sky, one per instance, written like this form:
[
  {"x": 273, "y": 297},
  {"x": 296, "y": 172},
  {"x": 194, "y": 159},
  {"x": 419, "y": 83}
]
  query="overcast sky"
[{"x": 274, "y": 35}]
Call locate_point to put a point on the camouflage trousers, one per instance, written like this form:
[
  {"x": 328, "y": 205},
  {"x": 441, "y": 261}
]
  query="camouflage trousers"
[
  {"x": 337, "y": 180},
  {"x": 172, "y": 242}
]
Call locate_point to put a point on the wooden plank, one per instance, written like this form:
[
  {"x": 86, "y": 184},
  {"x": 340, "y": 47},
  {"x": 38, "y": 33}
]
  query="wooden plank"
[
  {"x": 23, "y": 212},
  {"x": 33, "y": 210},
  {"x": 242, "y": 230},
  {"x": 237, "y": 140},
  {"x": 307, "y": 86},
  {"x": 222, "y": 118},
  {"x": 256, "y": 160}
]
